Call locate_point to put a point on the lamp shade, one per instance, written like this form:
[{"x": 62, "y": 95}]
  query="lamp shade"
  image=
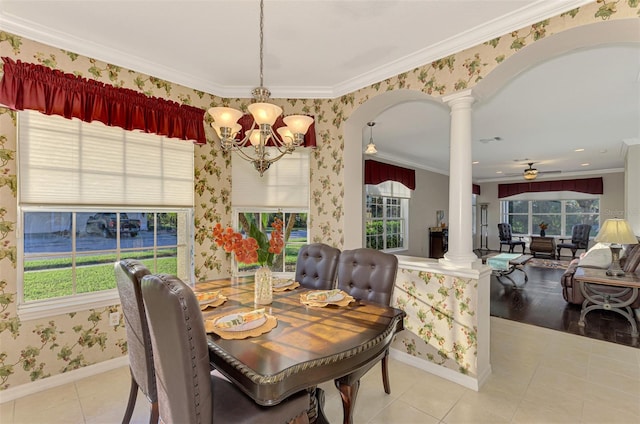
[
  {"x": 285, "y": 134},
  {"x": 617, "y": 231},
  {"x": 264, "y": 113},
  {"x": 235, "y": 128},
  {"x": 530, "y": 174},
  {"x": 298, "y": 124},
  {"x": 224, "y": 116},
  {"x": 371, "y": 149}
]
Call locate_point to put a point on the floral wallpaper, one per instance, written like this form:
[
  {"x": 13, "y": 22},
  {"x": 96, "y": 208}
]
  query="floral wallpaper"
[
  {"x": 35, "y": 349},
  {"x": 441, "y": 322}
]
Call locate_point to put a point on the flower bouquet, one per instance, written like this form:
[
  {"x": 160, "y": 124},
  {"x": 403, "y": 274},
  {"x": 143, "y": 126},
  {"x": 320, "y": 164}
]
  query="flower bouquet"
[
  {"x": 256, "y": 248},
  {"x": 543, "y": 226}
]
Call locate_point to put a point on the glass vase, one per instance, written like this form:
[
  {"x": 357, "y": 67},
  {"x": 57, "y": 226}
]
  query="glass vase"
[
  {"x": 542, "y": 233},
  {"x": 263, "y": 286}
]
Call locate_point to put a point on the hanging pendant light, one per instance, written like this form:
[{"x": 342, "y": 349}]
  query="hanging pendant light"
[
  {"x": 371, "y": 148},
  {"x": 261, "y": 134}
]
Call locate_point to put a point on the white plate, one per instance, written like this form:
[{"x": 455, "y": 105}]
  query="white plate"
[
  {"x": 242, "y": 327},
  {"x": 280, "y": 283}
]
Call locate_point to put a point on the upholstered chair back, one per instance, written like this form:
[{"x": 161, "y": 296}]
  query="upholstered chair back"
[
  {"x": 182, "y": 357},
  {"x": 367, "y": 274},
  {"x": 317, "y": 266},
  {"x": 632, "y": 259},
  {"x": 580, "y": 235},
  {"x": 129, "y": 274},
  {"x": 504, "y": 231}
]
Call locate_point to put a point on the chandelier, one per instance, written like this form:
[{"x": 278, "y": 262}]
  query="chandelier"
[
  {"x": 261, "y": 135},
  {"x": 371, "y": 148}
]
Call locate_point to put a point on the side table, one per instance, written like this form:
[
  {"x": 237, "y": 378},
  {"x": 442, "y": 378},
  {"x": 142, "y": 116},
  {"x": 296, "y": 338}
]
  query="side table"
[
  {"x": 543, "y": 245},
  {"x": 591, "y": 282}
]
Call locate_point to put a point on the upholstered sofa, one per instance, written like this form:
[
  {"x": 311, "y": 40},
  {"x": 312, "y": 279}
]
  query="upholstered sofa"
[{"x": 630, "y": 262}]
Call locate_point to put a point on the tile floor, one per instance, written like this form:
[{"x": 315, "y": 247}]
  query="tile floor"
[{"x": 539, "y": 376}]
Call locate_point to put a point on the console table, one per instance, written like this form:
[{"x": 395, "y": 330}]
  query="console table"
[
  {"x": 591, "y": 282},
  {"x": 543, "y": 246}
]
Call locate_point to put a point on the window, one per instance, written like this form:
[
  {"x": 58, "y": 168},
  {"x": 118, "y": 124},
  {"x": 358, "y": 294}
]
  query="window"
[
  {"x": 387, "y": 209},
  {"x": 283, "y": 192},
  {"x": 560, "y": 215},
  {"x": 90, "y": 195},
  {"x": 294, "y": 233}
]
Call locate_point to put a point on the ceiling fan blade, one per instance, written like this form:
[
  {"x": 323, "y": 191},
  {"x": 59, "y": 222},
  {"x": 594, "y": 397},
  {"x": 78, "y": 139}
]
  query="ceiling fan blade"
[{"x": 550, "y": 172}]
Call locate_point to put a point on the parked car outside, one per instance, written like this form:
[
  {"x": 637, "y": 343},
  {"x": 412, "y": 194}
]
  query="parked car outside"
[{"x": 106, "y": 224}]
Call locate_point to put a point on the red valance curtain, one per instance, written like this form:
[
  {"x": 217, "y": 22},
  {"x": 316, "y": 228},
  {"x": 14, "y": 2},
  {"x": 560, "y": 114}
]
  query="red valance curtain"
[
  {"x": 52, "y": 92},
  {"x": 585, "y": 185},
  {"x": 377, "y": 172},
  {"x": 247, "y": 123},
  {"x": 476, "y": 189}
]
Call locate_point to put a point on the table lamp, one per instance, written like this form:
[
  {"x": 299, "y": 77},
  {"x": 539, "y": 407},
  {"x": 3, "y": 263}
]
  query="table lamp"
[{"x": 616, "y": 232}]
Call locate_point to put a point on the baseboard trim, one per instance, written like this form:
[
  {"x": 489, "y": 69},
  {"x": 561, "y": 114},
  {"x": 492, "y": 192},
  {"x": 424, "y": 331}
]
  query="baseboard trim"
[
  {"x": 22, "y": 390},
  {"x": 446, "y": 373}
]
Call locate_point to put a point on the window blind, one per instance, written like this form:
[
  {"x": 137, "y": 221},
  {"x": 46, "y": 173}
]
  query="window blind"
[
  {"x": 284, "y": 184},
  {"x": 388, "y": 189},
  {"x": 70, "y": 162}
]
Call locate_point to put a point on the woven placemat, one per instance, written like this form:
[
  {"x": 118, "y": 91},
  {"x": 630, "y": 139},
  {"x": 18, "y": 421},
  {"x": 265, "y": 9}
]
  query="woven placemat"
[
  {"x": 268, "y": 325},
  {"x": 219, "y": 301},
  {"x": 344, "y": 302}
]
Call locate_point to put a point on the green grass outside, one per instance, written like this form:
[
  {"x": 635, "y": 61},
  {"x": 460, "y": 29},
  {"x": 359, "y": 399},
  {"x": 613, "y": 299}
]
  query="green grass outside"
[
  {"x": 96, "y": 275},
  {"x": 49, "y": 278}
]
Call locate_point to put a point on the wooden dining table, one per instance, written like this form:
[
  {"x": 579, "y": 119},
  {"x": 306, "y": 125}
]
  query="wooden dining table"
[{"x": 310, "y": 345}]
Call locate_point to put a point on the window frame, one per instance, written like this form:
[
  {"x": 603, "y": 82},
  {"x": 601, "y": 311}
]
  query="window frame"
[
  {"x": 35, "y": 309},
  {"x": 403, "y": 202},
  {"x": 532, "y": 226},
  {"x": 268, "y": 210}
]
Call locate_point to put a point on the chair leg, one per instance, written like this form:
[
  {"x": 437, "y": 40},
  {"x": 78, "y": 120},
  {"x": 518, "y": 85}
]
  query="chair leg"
[
  {"x": 385, "y": 373},
  {"x": 573, "y": 253},
  {"x": 558, "y": 249},
  {"x": 133, "y": 394},
  {"x": 155, "y": 413}
]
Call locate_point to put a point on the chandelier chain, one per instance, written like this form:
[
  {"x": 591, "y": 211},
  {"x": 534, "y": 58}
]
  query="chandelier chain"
[{"x": 261, "y": 41}]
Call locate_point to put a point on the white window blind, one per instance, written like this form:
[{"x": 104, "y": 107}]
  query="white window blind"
[
  {"x": 284, "y": 184},
  {"x": 389, "y": 189},
  {"x": 70, "y": 162}
]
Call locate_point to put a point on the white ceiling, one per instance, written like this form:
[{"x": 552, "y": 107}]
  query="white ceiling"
[{"x": 324, "y": 49}]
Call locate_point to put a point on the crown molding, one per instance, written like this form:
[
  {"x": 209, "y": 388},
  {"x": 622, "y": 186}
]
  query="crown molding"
[{"x": 535, "y": 12}]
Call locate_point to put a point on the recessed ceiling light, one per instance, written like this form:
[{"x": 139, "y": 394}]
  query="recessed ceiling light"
[
  {"x": 579, "y": 150},
  {"x": 585, "y": 164},
  {"x": 498, "y": 172},
  {"x": 475, "y": 162}
]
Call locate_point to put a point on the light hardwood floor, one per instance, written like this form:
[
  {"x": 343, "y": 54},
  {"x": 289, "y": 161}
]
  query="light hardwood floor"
[{"x": 539, "y": 376}]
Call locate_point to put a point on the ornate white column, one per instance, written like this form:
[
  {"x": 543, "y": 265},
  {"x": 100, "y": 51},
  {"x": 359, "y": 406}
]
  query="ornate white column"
[
  {"x": 460, "y": 253},
  {"x": 631, "y": 184}
]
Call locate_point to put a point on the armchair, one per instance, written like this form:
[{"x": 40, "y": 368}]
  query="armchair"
[
  {"x": 506, "y": 237},
  {"x": 370, "y": 275},
  {"x": 317, "y": 266},
  {"x": 579, "y": 239}
]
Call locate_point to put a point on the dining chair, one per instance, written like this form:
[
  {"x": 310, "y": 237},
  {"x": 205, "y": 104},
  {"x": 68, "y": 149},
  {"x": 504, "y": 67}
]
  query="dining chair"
[
  {"x": 129, "y": 273},
  {"x": 506, "y": 237},
  {"x": 369, "y": 274},
  {"x": 317, "y": 266},
  {"x": 188, "y": 392},
  {"x": 579, "y": 239}
]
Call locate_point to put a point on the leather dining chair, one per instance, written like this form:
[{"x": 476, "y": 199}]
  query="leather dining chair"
[
  {"x": 369, "y": 274},
  {"x": 317, "y": 266},
  {"x": 188, "y": 392},
  {"x": 129, "y": 274},
  {"x": 506, "y": 237},
  {"x": 579, "y": 239}
]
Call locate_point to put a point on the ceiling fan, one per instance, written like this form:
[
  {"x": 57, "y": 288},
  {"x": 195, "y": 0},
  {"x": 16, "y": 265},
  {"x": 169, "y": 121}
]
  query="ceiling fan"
[{"x": 532, "y": 173}]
